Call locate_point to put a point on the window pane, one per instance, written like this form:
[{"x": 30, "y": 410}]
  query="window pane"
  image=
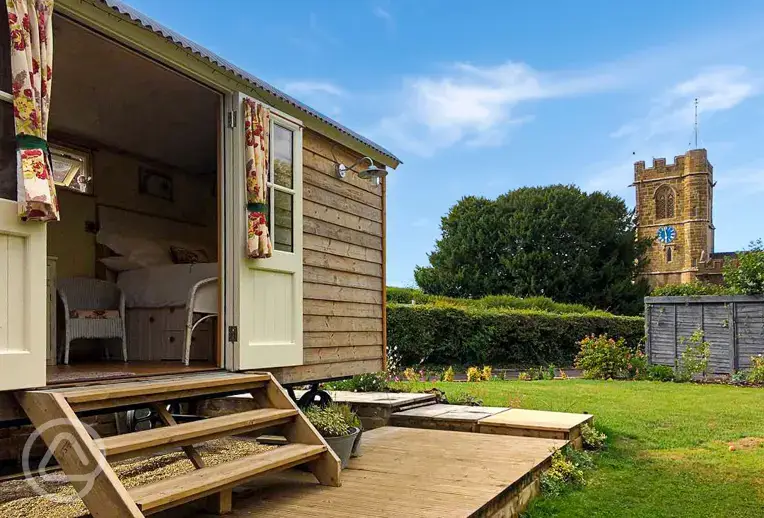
[
  {"x": 7, "y": 152},
  {"x": 282, "y": 155},
  {"x": 5, "y": 51},
  {"x": 283, "y": 224},
  {"x": 70, "y": 170}
]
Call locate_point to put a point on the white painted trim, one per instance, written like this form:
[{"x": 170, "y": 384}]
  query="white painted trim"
[{"x": 23, "y": 310}]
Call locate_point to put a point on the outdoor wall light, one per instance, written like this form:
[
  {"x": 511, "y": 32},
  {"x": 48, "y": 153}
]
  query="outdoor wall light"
[{"x": 372, "y": 172}]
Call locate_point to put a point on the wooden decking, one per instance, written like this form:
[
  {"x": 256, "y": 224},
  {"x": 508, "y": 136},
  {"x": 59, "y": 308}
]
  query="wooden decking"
[
  {"x": 496, "y": 420},
  {"x": 114, "y": 370},
  {"x": 415, "y": 473}
]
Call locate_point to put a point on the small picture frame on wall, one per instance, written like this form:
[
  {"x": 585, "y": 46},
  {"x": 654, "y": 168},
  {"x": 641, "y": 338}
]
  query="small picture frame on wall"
[{"x": 154, "y": 183}]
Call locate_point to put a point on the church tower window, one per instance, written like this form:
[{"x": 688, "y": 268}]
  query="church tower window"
[{"x": 664, "y": 202}]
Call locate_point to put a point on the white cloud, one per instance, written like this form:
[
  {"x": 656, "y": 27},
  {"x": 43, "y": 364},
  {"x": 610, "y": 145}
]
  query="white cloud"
[
  {"x": 745, "y": 181},
  {"x": 717, "y": 89},
  {"x": 383, "y": 14},
  {"x": 297, "y": 88},
  {"x": 475, "y": 105}
]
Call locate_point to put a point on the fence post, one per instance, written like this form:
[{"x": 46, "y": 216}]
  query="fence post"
[
  {"x": 648, "y": 349},
  {"x": 676, "y": 339},
  {"x": 735, "y": 360}
]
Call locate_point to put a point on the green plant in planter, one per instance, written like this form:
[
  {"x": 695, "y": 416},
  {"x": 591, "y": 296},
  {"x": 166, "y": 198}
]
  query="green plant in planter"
[{"x": 333, "y": 420}]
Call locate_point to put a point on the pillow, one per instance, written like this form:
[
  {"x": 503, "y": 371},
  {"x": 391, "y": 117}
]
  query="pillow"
[
  {"x": 183, "y": 255},
  {"x": 120, "y": 264},
  {"x": 143, "y": 252}
]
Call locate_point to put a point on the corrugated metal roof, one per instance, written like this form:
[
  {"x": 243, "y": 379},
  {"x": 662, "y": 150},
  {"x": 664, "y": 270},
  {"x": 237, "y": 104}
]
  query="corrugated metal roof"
[{"x": 136, "y": 16}]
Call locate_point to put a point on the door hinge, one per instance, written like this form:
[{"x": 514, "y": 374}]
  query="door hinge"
[
  {"x": 232, "y": 119},
  {"x": 233, "y": 333}
]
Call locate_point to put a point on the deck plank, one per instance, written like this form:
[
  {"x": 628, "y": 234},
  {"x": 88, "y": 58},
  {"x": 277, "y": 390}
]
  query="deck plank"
[
  {"x": 407, "y": 472},
  {"x": 537, "y": 420}
]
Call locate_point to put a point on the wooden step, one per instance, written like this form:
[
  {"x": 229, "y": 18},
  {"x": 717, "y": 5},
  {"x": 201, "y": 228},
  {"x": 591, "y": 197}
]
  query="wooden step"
[
  {"x": 172, "y": 492},
  {"x": 131, "y": 394},
  {"x": 195, "y": 432}
]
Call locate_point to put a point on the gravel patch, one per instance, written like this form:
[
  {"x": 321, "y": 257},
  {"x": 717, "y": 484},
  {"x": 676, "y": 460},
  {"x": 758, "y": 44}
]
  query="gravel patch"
[{"x": 19, "y": 500}]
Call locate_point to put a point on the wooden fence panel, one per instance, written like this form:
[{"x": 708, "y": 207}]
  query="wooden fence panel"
[
  {"x": 733, "y": 326},
  {"x": 662, "y": 336},
  {"x": 716, "y": 330}
]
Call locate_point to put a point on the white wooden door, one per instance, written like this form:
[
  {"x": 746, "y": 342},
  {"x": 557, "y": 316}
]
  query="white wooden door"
[
  {"x": 23, "y": 302},
  {"x": 265, "y": 306}
]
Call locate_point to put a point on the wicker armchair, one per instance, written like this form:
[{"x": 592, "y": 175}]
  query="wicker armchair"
[
  {"x": 92, "y": 309},
  {"x": 203, "y": 300}
]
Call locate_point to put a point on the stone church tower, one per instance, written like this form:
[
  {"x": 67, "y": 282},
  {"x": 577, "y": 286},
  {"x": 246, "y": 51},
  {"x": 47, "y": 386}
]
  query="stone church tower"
[{"x": 675, "y": 208}]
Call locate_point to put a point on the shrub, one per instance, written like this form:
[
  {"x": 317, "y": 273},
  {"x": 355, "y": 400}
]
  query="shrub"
[
  {"x": 448, "y": 335},
  {"x": 372, "y": 382},
  {"x": 407, "y": 295},
  {"x": 474, "y": 374},
  {"x": 593, "y": 438},
  {"x": 333, "y": 420},
  {"x": 448, "y": 374},
  {"x": 756, "y": 374},
  {"x": 637, "y": 365},
  {"x": 695, "y": 357},
  {"x": 660, "y": 373},
  {"x": 690, "y": 289},
  {"x": 602, "y": 357},
  {"x": 739, "y": 376},
  {"x": 410, "y": 374},
  {"x": 550, "y": 372},
  {"x": 485, "y": 374},
  {"x": 562, "y": 473},
  {"x": 745, "y": 273},
  {"x": 524, "y": 376}
]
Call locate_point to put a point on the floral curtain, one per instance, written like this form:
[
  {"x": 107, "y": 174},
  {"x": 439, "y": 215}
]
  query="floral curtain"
[
  {"x": 256, "y": 153},
  {"x": 31, "y": 27}
]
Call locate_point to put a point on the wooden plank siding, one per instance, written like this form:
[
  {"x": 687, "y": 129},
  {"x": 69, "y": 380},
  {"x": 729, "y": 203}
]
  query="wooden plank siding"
[{"x": 343, "y": 268}]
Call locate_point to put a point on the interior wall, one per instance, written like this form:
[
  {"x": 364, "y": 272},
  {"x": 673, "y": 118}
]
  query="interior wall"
[
  {"x": 116, "y": 178},
  {"x": 68, "y": 240},
  {"x": 130, "y": 114},
  {"x": 116, "y": 184}
]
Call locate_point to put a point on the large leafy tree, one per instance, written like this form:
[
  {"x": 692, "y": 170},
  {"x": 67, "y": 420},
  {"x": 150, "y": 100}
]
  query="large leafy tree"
[{"x": 556, "y": 241}]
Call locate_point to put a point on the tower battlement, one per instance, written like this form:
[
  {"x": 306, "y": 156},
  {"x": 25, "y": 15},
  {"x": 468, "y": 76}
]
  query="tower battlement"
[{"x": 694, "y": 161}]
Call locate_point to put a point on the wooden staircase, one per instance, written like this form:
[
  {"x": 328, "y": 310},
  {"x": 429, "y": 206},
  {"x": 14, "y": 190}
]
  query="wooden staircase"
[{"x": 55, "y": 413}]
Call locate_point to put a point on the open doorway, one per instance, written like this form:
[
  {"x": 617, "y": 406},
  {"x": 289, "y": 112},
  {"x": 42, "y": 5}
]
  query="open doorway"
[{"x": 135, "y": 149}]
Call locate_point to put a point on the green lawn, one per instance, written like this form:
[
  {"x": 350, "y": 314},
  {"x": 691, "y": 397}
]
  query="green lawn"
[{"x": 668, "y": 449}]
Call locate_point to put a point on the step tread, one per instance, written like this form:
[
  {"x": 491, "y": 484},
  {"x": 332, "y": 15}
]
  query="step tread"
[
  {"x": 191, "y": 432},
  {"x": 202, "y": 482},
  {"x": 137, "y": 388}
]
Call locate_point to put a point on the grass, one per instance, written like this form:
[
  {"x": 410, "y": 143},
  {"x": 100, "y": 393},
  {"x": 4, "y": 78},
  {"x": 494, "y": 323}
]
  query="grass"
[{"x": 668, "y": 445}]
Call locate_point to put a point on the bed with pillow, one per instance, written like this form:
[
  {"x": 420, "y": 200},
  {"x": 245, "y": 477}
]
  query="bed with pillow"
[{"x": 156, "y": 274}]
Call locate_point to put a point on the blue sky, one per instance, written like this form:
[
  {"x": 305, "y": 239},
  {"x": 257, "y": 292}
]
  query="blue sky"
[{"x": 482, "y": 97}]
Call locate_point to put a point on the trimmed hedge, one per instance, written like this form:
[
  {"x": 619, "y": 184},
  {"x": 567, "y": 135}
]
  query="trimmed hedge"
[
  {"x": 691, "y": 289},
  {"x": 449, "y": 335},
  {"x": 406, "y": 295}
]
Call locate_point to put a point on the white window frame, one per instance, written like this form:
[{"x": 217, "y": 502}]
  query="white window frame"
[{"x": 277, "y": 119}]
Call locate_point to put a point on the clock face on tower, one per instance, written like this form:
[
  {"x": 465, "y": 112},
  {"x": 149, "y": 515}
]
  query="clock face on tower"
[{"x": 666, "y": 234}]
